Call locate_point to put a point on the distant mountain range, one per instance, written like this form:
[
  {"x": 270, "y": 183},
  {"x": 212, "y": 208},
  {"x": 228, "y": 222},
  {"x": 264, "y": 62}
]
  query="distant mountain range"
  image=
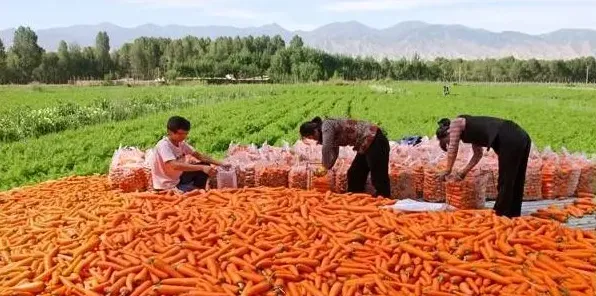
[{"x": 353, "y": 38}]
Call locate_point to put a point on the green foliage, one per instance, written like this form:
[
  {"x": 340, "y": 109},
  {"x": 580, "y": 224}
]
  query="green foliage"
[
  {"x": 151, "y": 58},
  {"x": 25, "y": 55},
  {"x": 102, "y": 48},
  {"x": 81, "y": 126},
  {"x": 3, "y": 69},
  {"x": 296, "y": 42},
  {"x": 172, "y": 75}
]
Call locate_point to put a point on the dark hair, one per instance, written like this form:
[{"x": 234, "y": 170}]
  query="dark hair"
[
  {"x": 308, "y": 128},
  {"x": 442, "y": 130},
  {"x": 176, "y": 123}
]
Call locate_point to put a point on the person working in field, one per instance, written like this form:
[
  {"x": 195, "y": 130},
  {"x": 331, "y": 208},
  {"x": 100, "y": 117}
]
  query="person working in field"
[
  {"x": 367, "y": 139},
  {"x": 170, "y": 170},
  {"x": 511, "y": 143}
]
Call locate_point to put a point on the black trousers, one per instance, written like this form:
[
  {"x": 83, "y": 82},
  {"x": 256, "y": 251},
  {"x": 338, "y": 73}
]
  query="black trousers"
[
  {"x": 193, "y": 180},
  {"x": 376, "y": 161},
  {"x": 512, "y": 145}
]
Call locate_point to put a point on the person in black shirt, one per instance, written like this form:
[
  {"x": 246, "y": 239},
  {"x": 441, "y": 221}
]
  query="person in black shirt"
[{"x": 511, "y": 143}]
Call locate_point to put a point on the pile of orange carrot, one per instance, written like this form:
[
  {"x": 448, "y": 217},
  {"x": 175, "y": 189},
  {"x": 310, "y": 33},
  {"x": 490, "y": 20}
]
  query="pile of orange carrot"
[
  {"x": 76, "y": 237},
  {"x": 579, "y": 208}
]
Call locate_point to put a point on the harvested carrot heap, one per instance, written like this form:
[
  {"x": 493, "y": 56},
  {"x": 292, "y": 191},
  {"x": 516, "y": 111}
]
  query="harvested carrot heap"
[
  {"x": 579, "y": 208},
  {"x": 77, "y": 237}
]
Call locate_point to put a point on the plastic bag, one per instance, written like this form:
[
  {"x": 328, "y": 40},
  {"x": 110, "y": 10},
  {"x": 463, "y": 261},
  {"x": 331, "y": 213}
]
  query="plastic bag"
[
  {"x": 550, "y": 168},
  {"x": 298, "y": 177},
  {"x": 409, "y": 205},
  {"x": 271, "y": 175},
  {"x": 149, "y": 158},
  {"x": 534, "y": 176},
  {"x": 127, "y": 170},
  {"x": 586, "y": 186},
  {"x": 418, "y": 171},
  {"x": 234, "y": 148},
  {"x": 491, "y": 169},
  {"x": 533, "y": 185},
  {"x": 402, "y": 180},
  {"x": 434, "y": 187},
  {"x": 468, "y": 193},
  {"x": 212, "y": 183},
  {"x": 245, "y": 175},
  {"x": 341, "y": 177},
  {"x": 226, "y": 178},
  {"x": 567, "y": 176},
  {"x": 321, "y": 181}
]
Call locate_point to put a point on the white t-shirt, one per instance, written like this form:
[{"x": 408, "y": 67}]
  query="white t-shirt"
[{"x": 164, "y": 177}]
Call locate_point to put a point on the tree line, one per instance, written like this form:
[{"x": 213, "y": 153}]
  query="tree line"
[{"x": 150, "y": 58}]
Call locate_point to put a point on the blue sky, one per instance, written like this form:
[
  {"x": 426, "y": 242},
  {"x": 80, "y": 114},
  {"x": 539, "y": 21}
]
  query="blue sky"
[{"x": 531, "y": 16}]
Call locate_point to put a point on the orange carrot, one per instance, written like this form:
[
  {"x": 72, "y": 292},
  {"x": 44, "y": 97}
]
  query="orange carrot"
[
  {"x": 257, "y": 289},
  {"x": 415, "y": 251},
  {"x": 493, "y": 276}
]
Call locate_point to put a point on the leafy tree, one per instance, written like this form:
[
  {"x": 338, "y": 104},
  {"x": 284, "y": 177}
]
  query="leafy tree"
[
  {"x": 102, "y": 53},
  {"x": 3, "y": 69},
  {"x": 296, "y": 42},
  {"x": 48, "y": 71},
  {"x": 149, "y": 58},
  {"x": 25, "y": 55},
  {"x": 64, "y": 62}
]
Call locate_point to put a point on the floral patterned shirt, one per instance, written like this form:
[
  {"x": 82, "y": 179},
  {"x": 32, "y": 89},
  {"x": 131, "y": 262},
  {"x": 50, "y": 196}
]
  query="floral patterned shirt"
[{"x": 345, "y": 132}]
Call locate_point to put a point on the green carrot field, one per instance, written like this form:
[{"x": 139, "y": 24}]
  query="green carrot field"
[{"x": 48, "y": 132}]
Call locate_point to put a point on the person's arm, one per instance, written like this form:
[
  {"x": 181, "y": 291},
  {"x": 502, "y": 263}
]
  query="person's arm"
[
  {"x": 200, "y": 156},
  {"x": 206, "y": 158},
  {"x": 473, "y": 161},
  {"x": 330, "y": 150},
  {"x": 169, "y": 158},
  {"x": 455, "y": 129},
  {"x": 187, "y": 167}
]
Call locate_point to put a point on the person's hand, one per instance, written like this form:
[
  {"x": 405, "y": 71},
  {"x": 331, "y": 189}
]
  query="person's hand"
[
  {"x": 459, "y": 176},
  {"x": 209, "y": 170},
  {"x": 443, "y": 175},
  {"x": 320, "y": 171}
]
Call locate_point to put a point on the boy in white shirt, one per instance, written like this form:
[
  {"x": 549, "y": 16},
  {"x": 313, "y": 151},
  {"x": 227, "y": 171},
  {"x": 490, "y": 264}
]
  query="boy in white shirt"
[{"x": 169, "y": 169}]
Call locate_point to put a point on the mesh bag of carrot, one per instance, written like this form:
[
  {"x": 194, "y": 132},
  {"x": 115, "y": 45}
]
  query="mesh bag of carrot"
[
  {"x": 491, "y": 169},
  {"x": 418, "y": 168},
  {"x": 567, "y": 177},
  {"x": 245, "y": 173},
  {"x": 147, "y": 167},
  {"x": 271, "y": 174},
  {"x": 298, "y": 177},
  {"x": 434, "y": 187},
  {"x": 319, "y": 179},
  {"x": 127, "y": 170},
  {"x": 533, "y": 185},
  {"x": 586, "y": 186},
  {"x": 469, "y": 193},
  {"x": 341, "y": 177},
  {"x": 550, "y": 168},
  {"x": 403, "y": 182}
]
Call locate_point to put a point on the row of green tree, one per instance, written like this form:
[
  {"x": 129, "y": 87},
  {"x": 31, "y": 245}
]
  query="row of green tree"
[{"x": 149, "y": 58}]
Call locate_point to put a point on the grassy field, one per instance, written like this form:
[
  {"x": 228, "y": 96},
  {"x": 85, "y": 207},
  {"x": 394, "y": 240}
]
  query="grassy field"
[{"x": 555, "y": 116}]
